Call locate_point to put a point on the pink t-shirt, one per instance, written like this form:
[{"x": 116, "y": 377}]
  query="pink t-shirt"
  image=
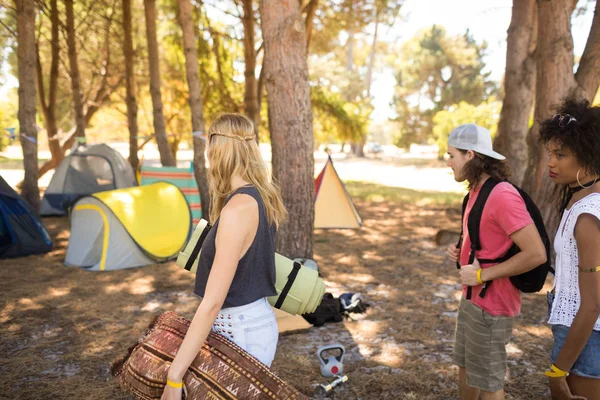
[{"x": 504, "y": 213}]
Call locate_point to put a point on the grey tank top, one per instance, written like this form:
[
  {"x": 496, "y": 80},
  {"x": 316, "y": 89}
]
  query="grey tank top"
[{"x": 255, "y": 274}]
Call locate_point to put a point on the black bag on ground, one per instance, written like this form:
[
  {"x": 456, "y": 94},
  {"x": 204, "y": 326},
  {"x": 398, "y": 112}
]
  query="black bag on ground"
[
  {"x": 529, "y": 282},
  {"x": 328, "y": 311}
]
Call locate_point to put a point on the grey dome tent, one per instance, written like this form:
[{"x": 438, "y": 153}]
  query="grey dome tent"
[
  {"x": 86, "y": 170},
  {"x": 21, "y": 231}
]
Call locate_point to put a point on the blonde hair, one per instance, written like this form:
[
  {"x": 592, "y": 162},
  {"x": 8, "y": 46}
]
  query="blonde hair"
[{"x": 233, "y": 149}]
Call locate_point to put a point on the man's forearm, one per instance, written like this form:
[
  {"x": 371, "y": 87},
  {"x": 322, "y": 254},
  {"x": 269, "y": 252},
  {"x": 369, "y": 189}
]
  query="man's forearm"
[{"x": 518, "y": 264}]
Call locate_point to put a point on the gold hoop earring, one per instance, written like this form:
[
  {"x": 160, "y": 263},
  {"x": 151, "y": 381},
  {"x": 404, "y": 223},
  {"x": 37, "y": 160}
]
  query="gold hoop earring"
[{"x": 586, "y": 187}]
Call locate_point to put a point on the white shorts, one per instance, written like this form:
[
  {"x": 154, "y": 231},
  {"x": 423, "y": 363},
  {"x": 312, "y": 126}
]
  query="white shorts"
[{"x": 253, "y": 327}]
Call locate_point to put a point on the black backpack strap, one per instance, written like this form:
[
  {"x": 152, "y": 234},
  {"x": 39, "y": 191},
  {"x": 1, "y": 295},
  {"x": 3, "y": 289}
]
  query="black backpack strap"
[
  {"x": 460, "y": 238},
  {"x": 474, "y": 222},
  {"x": 288, "y": 285},
  {"x": 197, "y": 247}
]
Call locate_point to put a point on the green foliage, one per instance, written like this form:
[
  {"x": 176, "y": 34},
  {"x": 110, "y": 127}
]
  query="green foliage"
[
  {"x": 485, "y": 114},
  {"x": 437, "y": 70},
  {"x": 7, "y": 38},
  {"x": 8, "y": 118},
  {"x": 336, "y": 120},
  {"x": 375, "y": 192},
  {"x": 339, "y": 94}
]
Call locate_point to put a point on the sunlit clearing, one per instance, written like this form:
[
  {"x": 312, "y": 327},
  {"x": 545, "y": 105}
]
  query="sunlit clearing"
[
  {"x": 58, "y": 292},
  {"x": 363, "y": 278},
  {"x": 151, "y": 306},
  {"x": 512, "y": 349},
  {"x": 96, "y": 349},
  {"x": 347, "y": 260},
  {"x": 388, "y": 353},
  {"x": 138, "y": 286},
  {"x": 29, "y": 304},
  {"x": 538, "y": 331},
  {"x": 372, "y": 255}
]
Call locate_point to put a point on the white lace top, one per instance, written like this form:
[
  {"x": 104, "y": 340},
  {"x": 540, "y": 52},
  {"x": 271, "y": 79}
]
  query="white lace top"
[{"x": 566, "y": 284}]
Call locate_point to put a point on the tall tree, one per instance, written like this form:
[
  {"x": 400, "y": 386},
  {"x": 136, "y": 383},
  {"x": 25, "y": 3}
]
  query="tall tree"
[
  {"x": 555, "y": 81},
  {"x": 290, "y": 121},
  {"x": 130, "y": 99},
  {"x": 48, "y": 107},
  {"x": 251, "y": 104},
  {"x": 98, "y": 79},
  {"x": 195, "y": 99},
  {"x": 310, "y": 9},
  {"x": 160, "y": 131},
  {"x": 519, "y": 86},
  {"x": 27, "y": 98},
  {"x": 74, "y": 67},
  {"x": 372, "y": 52}
]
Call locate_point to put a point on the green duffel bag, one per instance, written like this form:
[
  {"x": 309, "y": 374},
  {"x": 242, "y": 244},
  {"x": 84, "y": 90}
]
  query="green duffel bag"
[{"x": 299, "y": 289}]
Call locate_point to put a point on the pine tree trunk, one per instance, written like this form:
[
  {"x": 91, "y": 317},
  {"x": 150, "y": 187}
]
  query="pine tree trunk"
[
  {"x": 49, "y": 108},
  {"x": 75, "y": 82},
  {"x": 132, "y": 107},
  {"x": 372, "y": 54},
  {"x": 554, "y": 82},
  {"x": 26, "y": 59},
  {"x": 251, "y": 105},
  {"x": 195, "y": 100},
  {"x": 130, "y": 99},
  {"x": 160, "y": 131},
  {"x": 311, "y": 10},
  {"x": 588, "y": 72},
  {"x": 519, "y": 84},
  {"x": 290, "y": 121}
]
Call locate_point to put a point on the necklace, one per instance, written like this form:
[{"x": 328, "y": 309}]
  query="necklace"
[
  {"x": 587, "y": 185},
  {"x": 573, "y": 190}
]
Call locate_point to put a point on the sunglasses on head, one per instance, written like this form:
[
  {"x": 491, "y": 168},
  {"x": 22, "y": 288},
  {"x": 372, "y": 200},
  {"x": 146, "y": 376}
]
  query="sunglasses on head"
[{"x": 563, "y": 119}]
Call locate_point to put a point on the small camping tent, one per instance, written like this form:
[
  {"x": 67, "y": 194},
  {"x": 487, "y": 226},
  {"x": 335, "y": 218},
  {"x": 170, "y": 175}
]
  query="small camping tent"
[
  {"x": 84, "y": 171},
  {"x": 21, "y": 231},
  {"x": 333, "y": 206},
  {"x": 183, "y": 178},
  {"x": 128, "y": 228}
]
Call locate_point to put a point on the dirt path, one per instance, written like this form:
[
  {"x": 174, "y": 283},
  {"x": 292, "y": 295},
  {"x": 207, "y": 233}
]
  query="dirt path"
[{"x": 62, "y": 327}]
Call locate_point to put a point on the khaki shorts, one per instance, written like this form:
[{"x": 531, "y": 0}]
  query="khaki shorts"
[{"x": 480, "y": 346}]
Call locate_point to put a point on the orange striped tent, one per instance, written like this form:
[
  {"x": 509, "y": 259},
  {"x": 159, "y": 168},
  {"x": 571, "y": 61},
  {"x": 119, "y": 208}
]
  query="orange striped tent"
[{"x": 183, "y": 178}]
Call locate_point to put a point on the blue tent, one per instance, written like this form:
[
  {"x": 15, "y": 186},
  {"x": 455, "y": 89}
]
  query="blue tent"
[{"x": 21, "y": 230}]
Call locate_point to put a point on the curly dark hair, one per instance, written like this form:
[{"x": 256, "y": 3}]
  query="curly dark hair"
[
  {"x": 480, "y": 164},
  {"x": 576, "y": 126}
]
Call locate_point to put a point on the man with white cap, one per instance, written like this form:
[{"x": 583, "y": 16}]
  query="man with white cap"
[{"x": 486, "y": 313}]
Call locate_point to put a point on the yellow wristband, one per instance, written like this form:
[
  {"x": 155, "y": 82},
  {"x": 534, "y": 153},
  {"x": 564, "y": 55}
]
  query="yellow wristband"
[
  {"x": 176, "y": 385},
  {"x": 556, "y": 372},
  {"x": 479, "y": 276}
]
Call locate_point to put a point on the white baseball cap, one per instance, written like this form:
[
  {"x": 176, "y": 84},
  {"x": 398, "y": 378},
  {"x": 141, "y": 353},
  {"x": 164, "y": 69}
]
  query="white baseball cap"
[{"x": 474, "y": 137}]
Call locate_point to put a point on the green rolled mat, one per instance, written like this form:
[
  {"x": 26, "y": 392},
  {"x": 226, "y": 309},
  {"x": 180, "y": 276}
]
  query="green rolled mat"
[{"x": 299, "y": 289}]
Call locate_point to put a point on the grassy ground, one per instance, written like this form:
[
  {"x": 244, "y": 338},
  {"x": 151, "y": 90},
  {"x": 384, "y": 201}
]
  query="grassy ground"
[
  {"x": 16, "y": 163},
  {"x": 62, "y": 327}
]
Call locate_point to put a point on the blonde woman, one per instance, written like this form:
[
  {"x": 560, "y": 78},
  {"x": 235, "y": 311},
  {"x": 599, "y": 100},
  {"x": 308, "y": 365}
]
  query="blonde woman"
[{"x": 236, "y": 270}]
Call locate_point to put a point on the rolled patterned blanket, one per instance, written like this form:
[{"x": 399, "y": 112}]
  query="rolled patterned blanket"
[{"x": 222, "y": 370}]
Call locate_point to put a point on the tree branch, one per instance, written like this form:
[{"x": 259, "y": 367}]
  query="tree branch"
[{"x": 13, "y": 33}]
